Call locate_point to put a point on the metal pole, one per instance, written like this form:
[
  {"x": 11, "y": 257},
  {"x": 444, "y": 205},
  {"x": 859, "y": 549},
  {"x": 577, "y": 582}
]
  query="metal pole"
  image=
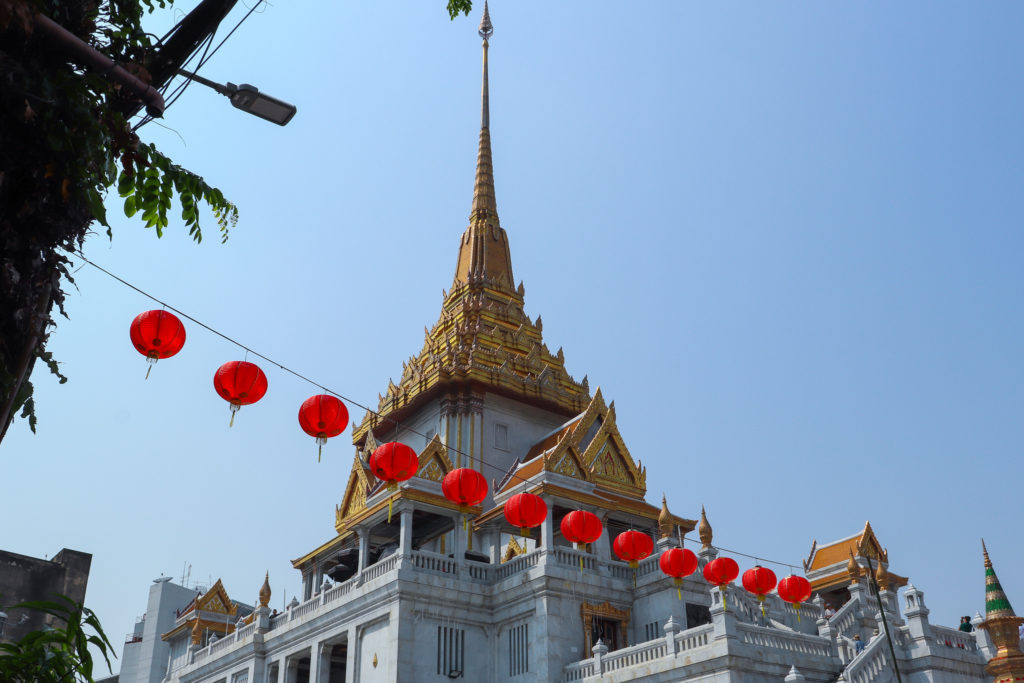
[{"x": 885, "y": 624}]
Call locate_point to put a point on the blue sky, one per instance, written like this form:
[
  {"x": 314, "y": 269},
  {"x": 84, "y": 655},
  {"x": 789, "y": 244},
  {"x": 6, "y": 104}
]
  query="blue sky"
[{"x": 784, "y": 238}]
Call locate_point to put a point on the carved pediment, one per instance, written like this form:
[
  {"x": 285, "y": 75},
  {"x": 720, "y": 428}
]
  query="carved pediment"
[
  {"x": 216, "y": 600},
  {"x": 360, "y": 481},
  {"x": 566, "y": 459},
  {"x": 434, "y": 460},
  {"x": 512, "y": 550}
]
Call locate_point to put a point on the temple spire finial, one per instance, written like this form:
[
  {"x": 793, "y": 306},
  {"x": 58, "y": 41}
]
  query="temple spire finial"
[{"x": 483, "y": 252}]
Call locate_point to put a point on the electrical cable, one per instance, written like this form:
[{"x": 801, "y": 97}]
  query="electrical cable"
[{"x": 398, "y": 425}]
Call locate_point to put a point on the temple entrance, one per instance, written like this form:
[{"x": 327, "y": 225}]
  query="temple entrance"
[{"x": 606, "y": 623}]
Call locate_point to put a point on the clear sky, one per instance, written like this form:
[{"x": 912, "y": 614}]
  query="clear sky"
[{"x": 785, "y": 238}]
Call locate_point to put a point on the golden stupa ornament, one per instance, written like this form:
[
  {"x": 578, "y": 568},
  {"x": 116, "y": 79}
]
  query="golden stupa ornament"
[
  {"x": 665, "y": 526},
  {"x": 704, "y": 529},
  {"x": 882, "y": 577},
  {"x": 265, "y": 591},
  {"x": 853, "y": 569},
  {"x": 1002, "y": 624}
]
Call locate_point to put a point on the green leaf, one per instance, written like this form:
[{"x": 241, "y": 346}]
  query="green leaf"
[{"x": 95, "y": 201}]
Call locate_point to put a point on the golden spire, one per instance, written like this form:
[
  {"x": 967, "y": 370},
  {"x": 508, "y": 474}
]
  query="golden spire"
[
  {"x": 704, "y": 529},
  {"x": 483, "y": 250},
  {"x": 265, "y": 591},
  {"x": 1001, "y": 623},
  {"x": 665, "y": 525}
]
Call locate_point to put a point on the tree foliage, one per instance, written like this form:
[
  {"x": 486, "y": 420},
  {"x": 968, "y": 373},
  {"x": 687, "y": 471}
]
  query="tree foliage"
[
  {"x": 57, "y": 654},
  {"x": 64, "y": 142}
]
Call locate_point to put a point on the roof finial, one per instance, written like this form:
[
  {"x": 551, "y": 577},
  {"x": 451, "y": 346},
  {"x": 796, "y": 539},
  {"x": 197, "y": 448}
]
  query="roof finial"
[
  {"x": 704, "y": 529},
  {"x": 486, "y": 29},
  {"x": 484, "y": 248}
]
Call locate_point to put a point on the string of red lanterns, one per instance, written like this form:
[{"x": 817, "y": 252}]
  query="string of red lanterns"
[{"x": 158, "y": 334}]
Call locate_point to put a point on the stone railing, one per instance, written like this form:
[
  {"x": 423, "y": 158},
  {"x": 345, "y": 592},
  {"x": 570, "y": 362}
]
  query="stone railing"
[
  {"x": 578, "y": 671},
  {"x": 478, "y": 571},
  {"x": 951, "y": 637},
  {"x": 633, "y": 655},
  {"x": 868, "y": 666},
  {"x": 808, "y": 610},
  {"x": 380, "y": 569},
  {"x": 845, "y": 622},
  {"x": 787, "y": 641},
  {"x": 305, "y": 608},
  {"x": 694, "y": 638},
  {"x": 432, "y": 562},
  {"x": 570, "y": 557},
  {"x": 641, "y": 653},
  {"x": 245, "y": 631},
  {"x": 517, "y": 564},
  {"x": 337, "y": 591}
]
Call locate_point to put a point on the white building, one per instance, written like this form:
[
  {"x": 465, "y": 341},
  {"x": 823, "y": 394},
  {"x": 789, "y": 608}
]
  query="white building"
[{"x": 403, "y": 591}]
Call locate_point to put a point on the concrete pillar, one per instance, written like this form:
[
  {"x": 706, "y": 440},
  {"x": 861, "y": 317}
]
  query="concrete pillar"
[
  {"x": 364, "y": 549},
  {"x": 405, "y": 533},
  {"x": 723, "y": 621},
  {"x": 917, "y": 614},
  {"x": 353, "y": 654},
  {"x": 458, "y": 541},
  {"x": 671, "y": 628},
  {"x": 602, "y": 547},
  {"x": 547, "y": 531},
  {"x": 599, "y": 651}
]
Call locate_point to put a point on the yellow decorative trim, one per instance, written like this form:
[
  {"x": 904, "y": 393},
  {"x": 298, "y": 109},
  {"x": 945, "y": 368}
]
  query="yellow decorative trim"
[{"x": 605, "y": 611}]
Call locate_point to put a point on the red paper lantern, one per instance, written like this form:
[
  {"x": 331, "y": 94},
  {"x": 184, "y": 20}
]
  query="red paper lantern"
[
  {"x": 525, "y": 511},
  {"x": 795, "y": 590},
  {"x": 323, "y": 416},
  {"x": 721, "y": 572},
  {"x": 156, "y": 335},
  {"x": 633, "y": 546},
  {"x": 678, "y": 563},
  {"x": 581, "y": 527},
  {"x": 760, "y": 582},
  {"x": 464, "y": 486},
  {"x": 394, "y": 462},
  {"x": 240, "y": 383}
]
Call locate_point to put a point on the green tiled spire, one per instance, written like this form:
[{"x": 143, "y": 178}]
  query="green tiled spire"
[{"x": 996, "y": 602}]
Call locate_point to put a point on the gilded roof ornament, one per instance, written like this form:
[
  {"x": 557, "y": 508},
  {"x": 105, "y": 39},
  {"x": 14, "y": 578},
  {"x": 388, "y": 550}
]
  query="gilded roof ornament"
[
  {"x": 882, "y": 576},
  {"x": 665, "y": 525},
  {"x": 486, "y": 29},
  {"x": 704, "y": 529},
  {"x": 265, "y": 591},
  {"x": 197, "y": 631},
  {"x": 1002, "y": 625},
  {"x": 853, "y": 569}
]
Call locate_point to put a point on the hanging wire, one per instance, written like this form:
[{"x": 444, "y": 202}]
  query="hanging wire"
[{"x": 397, "y": 423}]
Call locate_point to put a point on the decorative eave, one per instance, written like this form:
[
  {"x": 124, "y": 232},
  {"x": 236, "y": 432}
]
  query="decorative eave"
[
  {"x": 327, "y": 548},
  {"x": 213, "y": 625},
  {"x": 837, "y": 577}
]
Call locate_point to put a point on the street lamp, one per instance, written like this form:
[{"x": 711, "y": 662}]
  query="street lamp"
[{"x": 249, "y": 99}]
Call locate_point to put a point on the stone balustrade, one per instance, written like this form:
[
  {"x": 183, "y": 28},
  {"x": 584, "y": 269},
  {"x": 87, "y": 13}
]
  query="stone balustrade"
[
  {"x": 951, "y": 637},
  {"x": 642, "y": 653},
  {"x": 785, "y": 641},
  {"x": 872, "y": 661}
]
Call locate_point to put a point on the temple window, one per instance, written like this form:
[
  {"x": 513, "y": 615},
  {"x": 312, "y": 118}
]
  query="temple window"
[
  {"x": 451, "y": 651},
  {"x": 518, "y": 649},
  {"x": 501, "y": 436}
]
